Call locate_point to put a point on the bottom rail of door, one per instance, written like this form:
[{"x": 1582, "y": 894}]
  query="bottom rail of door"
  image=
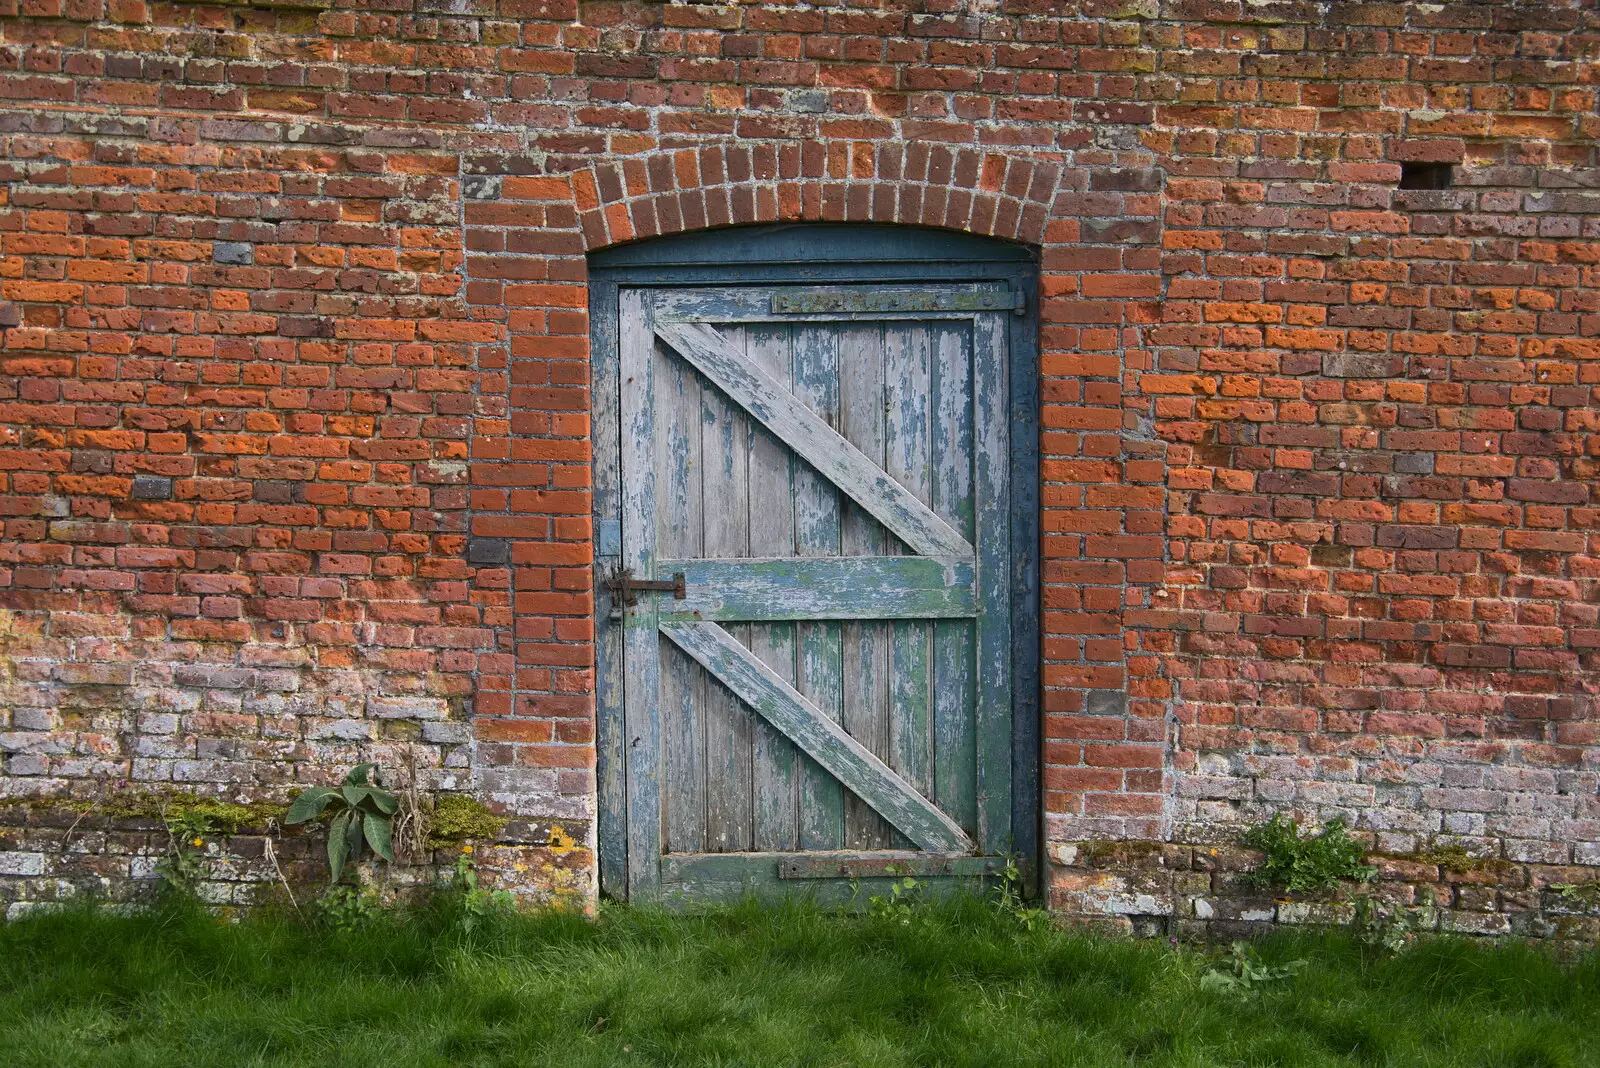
[{"x": 831, "y": 878}]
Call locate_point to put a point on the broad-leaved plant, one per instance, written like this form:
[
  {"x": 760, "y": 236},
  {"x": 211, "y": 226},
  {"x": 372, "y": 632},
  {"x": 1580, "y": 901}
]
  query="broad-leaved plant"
[{"x": 359, "y": 812}]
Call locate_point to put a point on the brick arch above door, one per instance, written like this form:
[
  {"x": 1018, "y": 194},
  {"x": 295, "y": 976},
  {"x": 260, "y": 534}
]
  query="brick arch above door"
[
  {"x": 918, "y": 184},
  {"x": 613, "y": 201}
]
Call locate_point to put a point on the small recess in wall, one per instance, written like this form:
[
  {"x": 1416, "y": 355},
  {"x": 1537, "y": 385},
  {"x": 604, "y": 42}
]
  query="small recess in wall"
[{"x": 1426, "y": 175}]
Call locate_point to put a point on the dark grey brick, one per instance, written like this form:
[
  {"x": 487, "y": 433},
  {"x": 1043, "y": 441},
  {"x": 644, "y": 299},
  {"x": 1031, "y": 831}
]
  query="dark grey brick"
[{"x": 152, "y": 488}]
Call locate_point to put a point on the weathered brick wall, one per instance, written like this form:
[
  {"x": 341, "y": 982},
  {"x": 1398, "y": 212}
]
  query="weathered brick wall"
[{"x": 294, "y": 411}]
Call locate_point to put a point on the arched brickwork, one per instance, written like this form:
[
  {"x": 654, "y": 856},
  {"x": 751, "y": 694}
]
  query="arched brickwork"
[{"x": 916, "y": 184}]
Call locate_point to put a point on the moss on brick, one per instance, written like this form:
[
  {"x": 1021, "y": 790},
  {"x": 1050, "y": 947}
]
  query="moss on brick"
[
  {"x": 229, "y": 817},
  {"x": 457, "y": 817},
  {"x": 1453, "y": 859},
  {"x": 226, "y": 817}
]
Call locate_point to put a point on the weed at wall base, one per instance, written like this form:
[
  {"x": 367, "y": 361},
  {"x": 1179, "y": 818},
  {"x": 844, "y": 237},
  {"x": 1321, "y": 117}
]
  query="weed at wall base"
[{"x": 1306, "y": 863}]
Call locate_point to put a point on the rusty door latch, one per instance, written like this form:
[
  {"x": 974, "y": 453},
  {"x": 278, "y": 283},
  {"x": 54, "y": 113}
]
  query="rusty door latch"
[{"x": 625, "y": 589}]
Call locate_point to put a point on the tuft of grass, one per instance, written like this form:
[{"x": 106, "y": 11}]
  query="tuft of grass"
[{"x": 960, "y": 984}]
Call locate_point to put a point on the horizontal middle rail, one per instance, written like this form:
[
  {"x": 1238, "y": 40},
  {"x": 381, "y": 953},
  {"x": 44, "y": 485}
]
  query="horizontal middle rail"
[{"x": 823, "y": 587}]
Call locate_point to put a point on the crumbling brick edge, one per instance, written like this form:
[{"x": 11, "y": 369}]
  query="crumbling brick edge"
[
  {"x": 1196, "y": 891},
  {"x": 51, "y": 854}
]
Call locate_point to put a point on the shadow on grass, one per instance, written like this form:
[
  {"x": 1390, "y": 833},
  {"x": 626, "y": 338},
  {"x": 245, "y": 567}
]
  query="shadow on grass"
[{"x": 956, "y": 984}]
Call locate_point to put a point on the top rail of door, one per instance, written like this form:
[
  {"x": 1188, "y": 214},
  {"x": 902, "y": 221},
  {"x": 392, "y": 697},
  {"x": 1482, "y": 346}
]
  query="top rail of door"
[
  {"x": 758, "y": 303},
  {"x": 838, "y": 299}
]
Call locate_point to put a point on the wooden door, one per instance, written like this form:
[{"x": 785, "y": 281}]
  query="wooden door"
[{"x": 815, "y": 685}]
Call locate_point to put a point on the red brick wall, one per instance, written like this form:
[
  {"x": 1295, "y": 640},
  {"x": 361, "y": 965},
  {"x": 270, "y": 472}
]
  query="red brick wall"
[{"x": 1318, "y": 453}]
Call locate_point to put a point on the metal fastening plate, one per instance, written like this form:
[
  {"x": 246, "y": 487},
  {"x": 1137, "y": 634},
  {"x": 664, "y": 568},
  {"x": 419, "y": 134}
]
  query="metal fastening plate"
[{"x": 610, "y": 538}]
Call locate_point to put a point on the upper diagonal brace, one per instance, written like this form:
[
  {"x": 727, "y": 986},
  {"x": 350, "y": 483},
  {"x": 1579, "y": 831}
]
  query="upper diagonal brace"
[{"x": 799, "y": 428}]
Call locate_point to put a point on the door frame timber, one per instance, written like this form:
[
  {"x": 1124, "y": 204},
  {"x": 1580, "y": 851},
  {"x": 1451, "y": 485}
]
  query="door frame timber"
[{"x": 822, "y": 254}]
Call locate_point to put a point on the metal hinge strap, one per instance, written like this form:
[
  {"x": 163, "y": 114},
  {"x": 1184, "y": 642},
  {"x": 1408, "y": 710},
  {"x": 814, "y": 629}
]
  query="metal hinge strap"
[{"x": 625, "y": 588}]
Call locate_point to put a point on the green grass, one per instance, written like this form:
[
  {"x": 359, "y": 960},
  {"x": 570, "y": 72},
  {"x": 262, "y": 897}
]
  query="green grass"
[{"x": 956, "y": 985}]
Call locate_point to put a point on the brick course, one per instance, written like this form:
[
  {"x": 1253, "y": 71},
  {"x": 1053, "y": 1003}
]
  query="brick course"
[{"x": 294, "y": 431}]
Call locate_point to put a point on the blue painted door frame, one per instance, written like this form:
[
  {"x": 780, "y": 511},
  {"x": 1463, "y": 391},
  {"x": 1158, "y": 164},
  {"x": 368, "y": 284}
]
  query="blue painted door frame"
[{"x": 824, "y": 255}]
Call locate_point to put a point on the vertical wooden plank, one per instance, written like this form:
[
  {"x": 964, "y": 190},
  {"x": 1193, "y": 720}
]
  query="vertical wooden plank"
[
  {"x": 865, "y": 660},
  {"x": 908, "y": 459},
  {"x": 612, "y": 825},
  {"x": 725, "y": 489},
  {"x": 816, "y": 532},
  {"x": 678, "y": 531},
  {"x": 641, "y": 638},
  {"x": 991, "y": 439},
  {"x": 775, "y": 761},
  {"x": 954, "y": 735}
]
